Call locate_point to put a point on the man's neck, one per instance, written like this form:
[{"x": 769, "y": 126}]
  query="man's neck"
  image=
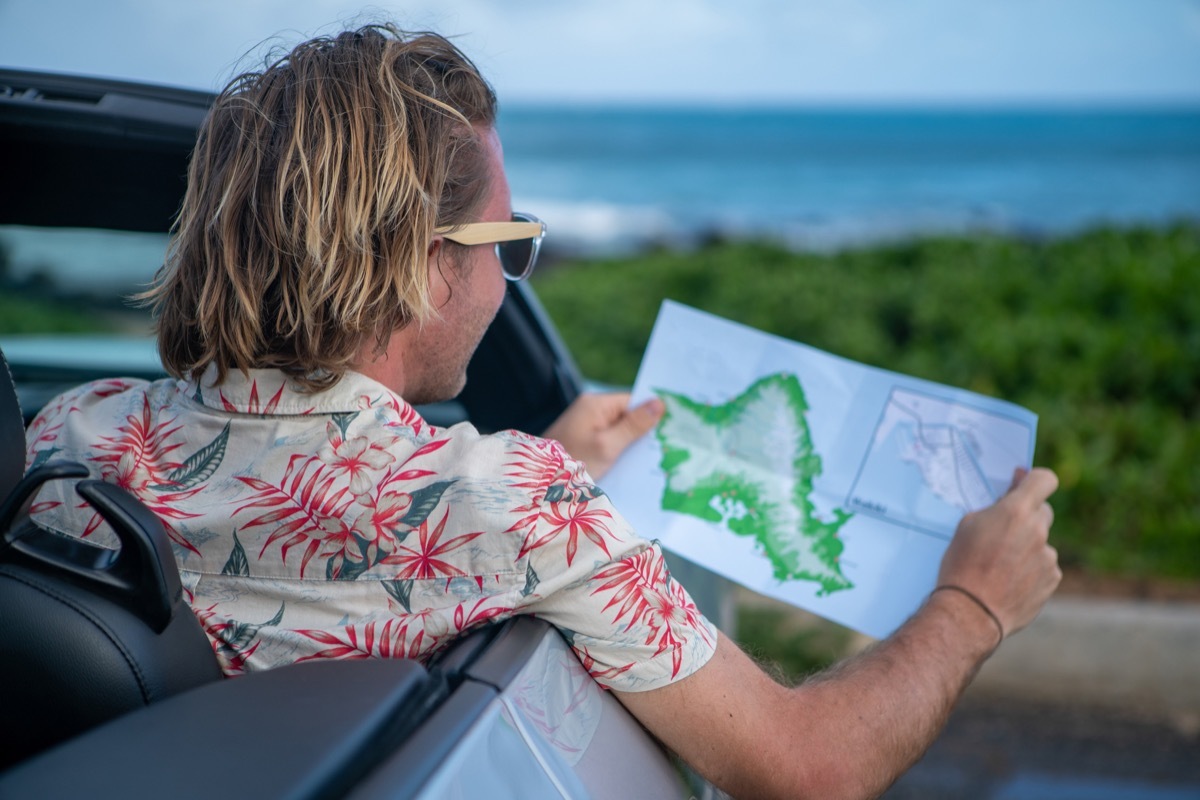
[{"x": 386, "y": 367}]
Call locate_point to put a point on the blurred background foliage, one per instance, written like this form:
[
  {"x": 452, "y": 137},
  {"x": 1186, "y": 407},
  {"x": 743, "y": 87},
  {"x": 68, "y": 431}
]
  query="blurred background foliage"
[
  {"x": 35, "y": 303},
  {"x": 1097, "y": 333}
]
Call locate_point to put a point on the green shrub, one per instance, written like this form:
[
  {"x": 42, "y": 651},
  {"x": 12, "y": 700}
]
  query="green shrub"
[{"x": 23, "y": 315}]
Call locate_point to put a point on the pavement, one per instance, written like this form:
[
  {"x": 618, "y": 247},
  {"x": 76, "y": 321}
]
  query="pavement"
[
  {"x": 1004, "y": 748},
  {"x": 1137, "y": 655},
  {"x": 1128, "y": 655},
  {"x": 1098, "y": 699}
]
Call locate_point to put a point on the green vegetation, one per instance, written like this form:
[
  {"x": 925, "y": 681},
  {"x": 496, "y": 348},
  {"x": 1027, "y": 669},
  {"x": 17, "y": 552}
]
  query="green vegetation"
[
  {"x": 29, "y": 315},
  {"x": 33, "y": 304},
  {"x": 1098, "y": 333},
  {"x": 790, "y": 651}
]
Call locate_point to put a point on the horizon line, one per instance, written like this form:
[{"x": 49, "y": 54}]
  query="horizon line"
[{"x": 914, "y": 103}]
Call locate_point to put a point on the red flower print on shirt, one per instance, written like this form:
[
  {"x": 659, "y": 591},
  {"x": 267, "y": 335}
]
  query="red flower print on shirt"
[
  {"x": 138, "y": 455},
  {"x": 380, "y": 524},
  {"x": 252, "y": 406},
  {"x": 141, "y": 459},
  {"x": 643, "y": 593},
  {"x": 357, "y": 457},
  {"x": 573, "y": 518},
  {"x": 306, "y": 507},
  {"x": 406, "y": 417},
  {"x": 478, "y": 614},
  {"x": 368, "y": 640},
  {"x": 427, "y": 559},
  {"x": 540, "y": 461},
  {"x": 589, "y": 663}
]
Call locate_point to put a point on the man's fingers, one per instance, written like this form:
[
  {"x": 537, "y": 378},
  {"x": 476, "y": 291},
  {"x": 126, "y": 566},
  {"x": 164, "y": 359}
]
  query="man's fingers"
[
  {"x": 1035, "y": 486},
  {"x": 638, "y": 421},
  {"x": 612, "y": 406},
  {"x": 1018, "y": 475},
  {"x": 1047, "y": 513}
]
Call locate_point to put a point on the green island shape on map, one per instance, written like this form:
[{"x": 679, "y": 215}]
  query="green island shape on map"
[{"x": 749, "y": 464}]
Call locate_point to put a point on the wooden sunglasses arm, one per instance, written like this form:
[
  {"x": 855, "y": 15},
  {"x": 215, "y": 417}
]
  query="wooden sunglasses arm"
[{"x": 489, "y": 232}]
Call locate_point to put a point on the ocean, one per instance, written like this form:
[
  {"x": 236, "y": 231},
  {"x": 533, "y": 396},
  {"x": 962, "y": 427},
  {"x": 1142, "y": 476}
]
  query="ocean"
[{"x": 615, "y": 179}]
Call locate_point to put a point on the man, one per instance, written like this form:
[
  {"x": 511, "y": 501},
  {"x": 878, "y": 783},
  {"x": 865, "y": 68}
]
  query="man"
[{"x": 335, "y": 262}]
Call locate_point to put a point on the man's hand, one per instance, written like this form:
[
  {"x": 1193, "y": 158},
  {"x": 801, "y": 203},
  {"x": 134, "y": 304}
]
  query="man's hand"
[
  {"x": 1000, "y": 554},
  {"x": 597, "y": 428}
]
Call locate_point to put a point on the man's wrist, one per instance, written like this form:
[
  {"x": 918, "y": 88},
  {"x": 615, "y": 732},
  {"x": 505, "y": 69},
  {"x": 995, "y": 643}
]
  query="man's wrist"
[
  {"x": 974, "y": 598},
  {"x": 969, "y": 616}
]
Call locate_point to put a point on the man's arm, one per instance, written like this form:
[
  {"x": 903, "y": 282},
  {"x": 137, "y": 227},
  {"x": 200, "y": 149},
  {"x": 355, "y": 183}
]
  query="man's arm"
[{"x": 852, "y": 731}]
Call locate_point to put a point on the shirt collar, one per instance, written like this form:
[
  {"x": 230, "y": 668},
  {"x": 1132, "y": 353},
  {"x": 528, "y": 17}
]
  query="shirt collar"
[{"x": 269, "y": 392}]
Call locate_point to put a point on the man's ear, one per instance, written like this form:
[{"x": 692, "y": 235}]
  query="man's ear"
[
  {"x": 439, "y": 287},
  {"x": 435, "y": 246}
]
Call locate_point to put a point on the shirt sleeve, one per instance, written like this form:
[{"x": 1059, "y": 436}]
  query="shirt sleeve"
[{"x": 609, "y": 591}]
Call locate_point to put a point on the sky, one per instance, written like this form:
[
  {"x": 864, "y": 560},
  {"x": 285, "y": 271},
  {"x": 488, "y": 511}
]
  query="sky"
[{"x": 753, "y": 52}]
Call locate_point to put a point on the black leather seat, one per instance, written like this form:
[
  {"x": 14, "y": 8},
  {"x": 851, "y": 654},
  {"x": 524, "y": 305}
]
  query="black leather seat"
[{"x": 86, "y": 633}]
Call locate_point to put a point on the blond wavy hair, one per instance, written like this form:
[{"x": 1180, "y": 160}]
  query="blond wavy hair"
[{"x": 313, "y": 193}]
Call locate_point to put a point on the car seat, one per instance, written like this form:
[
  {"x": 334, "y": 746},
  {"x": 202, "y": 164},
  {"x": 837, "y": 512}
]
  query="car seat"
[{"x": 86, "y": 633}]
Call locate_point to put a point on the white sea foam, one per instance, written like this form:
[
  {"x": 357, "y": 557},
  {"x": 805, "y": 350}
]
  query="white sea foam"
[
  {"x": 594, "y": 227},
  {"x": 830, "y": 233}
]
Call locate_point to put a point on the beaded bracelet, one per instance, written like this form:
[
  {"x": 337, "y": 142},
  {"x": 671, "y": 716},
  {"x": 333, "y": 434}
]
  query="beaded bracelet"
[{"x": 978, "y": 602}]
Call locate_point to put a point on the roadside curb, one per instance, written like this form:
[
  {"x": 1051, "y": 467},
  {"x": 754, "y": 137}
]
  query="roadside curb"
[{"x": 1137, "y": 656}]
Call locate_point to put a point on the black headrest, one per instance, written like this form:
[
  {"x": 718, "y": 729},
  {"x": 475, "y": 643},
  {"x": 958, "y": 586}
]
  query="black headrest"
[{"x": 12, "y": 432}]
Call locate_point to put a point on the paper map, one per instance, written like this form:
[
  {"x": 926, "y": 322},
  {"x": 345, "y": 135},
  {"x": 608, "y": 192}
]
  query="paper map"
[{"x": 810, "y": 478}]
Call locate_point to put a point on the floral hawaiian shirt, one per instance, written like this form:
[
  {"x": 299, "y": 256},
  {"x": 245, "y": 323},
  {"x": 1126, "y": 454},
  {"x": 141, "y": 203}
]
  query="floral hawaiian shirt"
[{"x": 342, "y": 525}]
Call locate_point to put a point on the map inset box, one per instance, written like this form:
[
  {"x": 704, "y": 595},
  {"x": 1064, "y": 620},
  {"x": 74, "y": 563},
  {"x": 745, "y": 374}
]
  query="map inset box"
[{"x": 932, "y": 460}]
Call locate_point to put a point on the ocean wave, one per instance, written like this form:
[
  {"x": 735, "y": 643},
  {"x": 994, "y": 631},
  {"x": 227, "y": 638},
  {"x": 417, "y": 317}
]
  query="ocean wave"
[
  {"x": 610, "y": 229},
  {"x": 617, "y": 180},
  {"x": 602, "y": 228}
]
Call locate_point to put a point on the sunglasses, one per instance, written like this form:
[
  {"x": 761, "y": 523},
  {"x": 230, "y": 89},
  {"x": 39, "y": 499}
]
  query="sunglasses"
[{"x": 517, "y": 242}]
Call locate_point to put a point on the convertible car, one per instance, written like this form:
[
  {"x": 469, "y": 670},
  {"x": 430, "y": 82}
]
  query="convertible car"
[{"x": 109, "y": 688}]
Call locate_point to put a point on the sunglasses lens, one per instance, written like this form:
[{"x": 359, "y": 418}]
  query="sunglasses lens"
[{"x": 516, "y": 257}]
